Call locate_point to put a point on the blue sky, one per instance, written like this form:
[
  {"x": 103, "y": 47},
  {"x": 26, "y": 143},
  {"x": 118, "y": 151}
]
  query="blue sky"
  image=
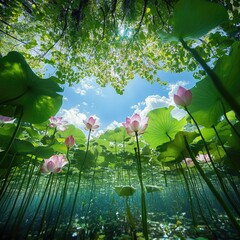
[{"x": 87, "y": 99}]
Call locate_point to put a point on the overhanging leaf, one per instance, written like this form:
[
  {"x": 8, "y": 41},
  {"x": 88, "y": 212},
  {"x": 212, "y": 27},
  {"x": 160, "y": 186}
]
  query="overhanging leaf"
[
  {"x": 20, "y": 86},
  {"x": 207, "y": 103},
  {"x": 194, "y": 18},
  {"x": 206, "y": 106}
]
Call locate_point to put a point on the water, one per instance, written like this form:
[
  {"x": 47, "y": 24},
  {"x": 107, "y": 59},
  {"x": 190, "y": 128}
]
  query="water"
[{"x": 35, "y": 206}]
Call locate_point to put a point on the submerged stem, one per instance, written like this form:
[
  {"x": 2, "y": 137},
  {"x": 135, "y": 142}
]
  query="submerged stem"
[
  {"x": 212, "y": 188},
  {"x": 143, "y": 200}
]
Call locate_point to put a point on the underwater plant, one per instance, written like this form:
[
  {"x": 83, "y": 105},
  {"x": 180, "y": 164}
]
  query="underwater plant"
[
  {"x": 90, "y": 126},
  {"x": 183, "y": 99},
  {"x": 136, "y": 126}
]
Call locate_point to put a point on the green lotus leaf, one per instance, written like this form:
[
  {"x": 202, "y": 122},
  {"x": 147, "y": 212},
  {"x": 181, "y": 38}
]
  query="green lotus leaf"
[
  {"x": 116, "y": 135},
  {"x": 125, "y": 191},
  {"x": 229, "y": 72},
  {"x": 4, "y": 140},
  {"x": 234, "y": 140},
  {"x": 194, "y": 18},
  {"x": 59, "y": 147},
  {"x": 176, "y": 149},
  {"x": 77, "y": 133},
  {"x": 43, "y": 152},
  {"x": 162, "y": 127},
  {"x": 21, "y": 146},
  {"x": 207, "y": 103},
  {"x": 20, "y": 86},
  {"x": 80, "y": 161},
  {"x": 223, "y": 130},
  {"x": 7, "y": 129},
  {"x": 206, "y": 106},
  {"x": 153, "y": 188}
]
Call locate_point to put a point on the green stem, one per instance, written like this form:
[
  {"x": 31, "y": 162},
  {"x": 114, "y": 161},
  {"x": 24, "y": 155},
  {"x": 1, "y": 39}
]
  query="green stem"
[
  {"x": 63, "y": 194},
  {"x": 143, "y": 200},
  {"x": 212, "y": 188},
  {"x": 45, "y": 209},
  {"x": 223, "y": 187},
  {"x": 78, "y": 185},
  {"x": 40, "y": 204},
  {"x": 229, "y": 122},
  {"x": 188, "y": 192},
  {"x": 13, "y": 136},
  {"x": 215, "y": 79}
]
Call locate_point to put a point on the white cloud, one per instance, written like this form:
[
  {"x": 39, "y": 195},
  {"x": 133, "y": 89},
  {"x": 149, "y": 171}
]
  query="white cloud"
[
  {"x": 74, "y": 116},
  {"x": 114, "y": 125},
  {"x": 99, "y": 92},
  {"x": 80, "y": 91},
  {"x": 84, "y": 85},
  {"x": 157, "y": 101}
]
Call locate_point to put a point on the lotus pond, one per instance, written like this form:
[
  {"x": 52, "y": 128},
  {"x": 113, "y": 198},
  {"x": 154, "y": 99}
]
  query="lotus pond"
[{"x": 154, "y": 177}]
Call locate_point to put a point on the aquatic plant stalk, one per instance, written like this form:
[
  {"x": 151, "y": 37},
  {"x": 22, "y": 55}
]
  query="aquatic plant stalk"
[
  {"x": 215, "y": 79},
  {"x": 212, "y": 188},
  {"x": 40, "y": 204},
  {"x": 229, "y": 122},
  {"x": 78, "y": 184},
  {"x": 45, "y": 209},
  {"x": 6, "y": 180},
  {"x": 223, "y": 187},
  {"x": 14, "y": 135},
  {"x": 64, "y": 191},
  {"x": 189, "y": 193},
  {"x": 16, "y": 198},
  {"x": 143, "y": 199}
]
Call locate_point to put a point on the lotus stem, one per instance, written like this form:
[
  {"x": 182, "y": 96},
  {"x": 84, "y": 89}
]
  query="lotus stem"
[
  {"x": 14, "y": 135},
  {"x": 143, "y": 200},
  {"x": 213, "y": 189}
]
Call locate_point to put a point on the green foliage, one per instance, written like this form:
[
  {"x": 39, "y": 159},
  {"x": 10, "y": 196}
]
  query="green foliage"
[
  {"x": 193, "y": 19},
  {"x": 78, "y": 135},
  {"x": 207, "y": 104},
  {"x": 21, "y": 87},
  {"x": 111, "y": 42},
  {"x": 162, "y": 126},
  {"x": 176, "y": 149}
]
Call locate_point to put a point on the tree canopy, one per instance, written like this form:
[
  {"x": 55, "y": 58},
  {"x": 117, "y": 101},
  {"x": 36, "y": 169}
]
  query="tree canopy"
[{"x": 110, "y": 40}]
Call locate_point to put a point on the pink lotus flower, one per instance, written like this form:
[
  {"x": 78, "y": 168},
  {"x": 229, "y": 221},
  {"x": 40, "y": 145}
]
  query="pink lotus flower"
[
  {"x": 203, "y": 158},
  {"x": 57, "y": 122},
  {"x": 69, "y": 142},
  {"x": 90, "y": 124},
  {"x": 135, "y": 124},
  {"x": 188, "y": 161},
  {"x": 4, "y": 119},
  {"x": 54, "y": 164},
  {"x": 183, "y": 97}
]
